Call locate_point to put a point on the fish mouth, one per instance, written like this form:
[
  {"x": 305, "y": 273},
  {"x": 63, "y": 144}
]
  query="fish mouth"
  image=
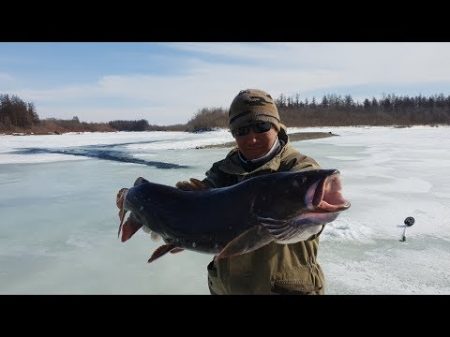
[{"x": 325, "y": 195}]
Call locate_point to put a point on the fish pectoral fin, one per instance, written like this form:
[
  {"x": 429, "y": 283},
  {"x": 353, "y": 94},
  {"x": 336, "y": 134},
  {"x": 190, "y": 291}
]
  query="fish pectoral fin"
[
  {"x": 176, "y": 250},
  {"x": 278, "y": 229},
  {"x": 160, "y": 251},
  {"x": 284, "y": 231},
  {"x": 252, "y": 239}
]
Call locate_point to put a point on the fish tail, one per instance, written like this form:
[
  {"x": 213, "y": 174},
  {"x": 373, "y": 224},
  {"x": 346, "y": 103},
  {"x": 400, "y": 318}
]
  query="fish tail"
[{"x": 120, "y": 202}]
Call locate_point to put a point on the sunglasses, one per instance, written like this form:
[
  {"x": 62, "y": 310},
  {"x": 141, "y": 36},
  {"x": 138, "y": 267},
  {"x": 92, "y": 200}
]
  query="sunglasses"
[{"x": 259, "y": 127}]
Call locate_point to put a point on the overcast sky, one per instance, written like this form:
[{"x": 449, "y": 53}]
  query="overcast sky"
[{"x": 167, "y": 83}]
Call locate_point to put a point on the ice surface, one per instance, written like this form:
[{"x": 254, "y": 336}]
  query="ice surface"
[{"x": 58, "y": 219}]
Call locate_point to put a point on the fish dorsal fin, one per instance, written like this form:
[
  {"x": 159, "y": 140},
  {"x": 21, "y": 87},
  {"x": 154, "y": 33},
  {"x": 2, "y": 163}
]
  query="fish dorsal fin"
[
  {"x": 160, "y": 251},
  {"x": 252, "y": 239},
  {"x": 140, "y": 180}
]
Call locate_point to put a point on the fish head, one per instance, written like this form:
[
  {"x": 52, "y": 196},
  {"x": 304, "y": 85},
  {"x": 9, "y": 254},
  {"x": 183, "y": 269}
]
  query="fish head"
[
  {"x": 300, "y": 204},
  {"x": 290, "y": 207},
  {"x": 317, "y": 191}
]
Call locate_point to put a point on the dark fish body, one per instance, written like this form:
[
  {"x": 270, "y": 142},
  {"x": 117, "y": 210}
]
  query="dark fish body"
[{"x": 284, "y": 207}]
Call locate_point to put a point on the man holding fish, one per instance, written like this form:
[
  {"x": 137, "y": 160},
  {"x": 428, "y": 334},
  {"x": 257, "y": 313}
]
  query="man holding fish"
[{"x": 262, "y": 148}]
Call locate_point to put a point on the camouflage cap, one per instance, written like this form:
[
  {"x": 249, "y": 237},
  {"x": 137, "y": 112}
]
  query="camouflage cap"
[{"x": 253, "y": 105}]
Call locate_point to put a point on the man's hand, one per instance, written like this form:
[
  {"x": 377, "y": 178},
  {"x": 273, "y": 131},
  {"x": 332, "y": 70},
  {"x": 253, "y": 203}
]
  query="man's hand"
[{"x": 191, "y": 185}]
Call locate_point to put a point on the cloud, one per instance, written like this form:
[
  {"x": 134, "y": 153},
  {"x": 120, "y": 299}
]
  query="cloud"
[
  {"x": 5, "y": 79},
  {"x": 212, "y": 73}
]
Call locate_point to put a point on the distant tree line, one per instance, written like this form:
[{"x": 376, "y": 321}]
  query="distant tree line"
[
  {"x": 334, "y": 110},
  {"x": 331, "y": 110},
  {"x": 54, "y": 125},
  {"x": 204, "y": 120},
  {"x": 123, "y": 125},
  {"x": 19, "y": 116},
  {"x": 15, "y": 112},
  {"x": 207, "y": 119}
]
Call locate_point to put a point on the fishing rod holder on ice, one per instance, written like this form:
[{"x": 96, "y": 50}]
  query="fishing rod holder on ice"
[{"x": 409, "y": 221}]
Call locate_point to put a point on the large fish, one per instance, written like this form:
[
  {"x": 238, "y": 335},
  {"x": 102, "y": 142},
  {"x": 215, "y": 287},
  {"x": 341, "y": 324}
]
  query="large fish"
[{"x": 284, "y": 207}]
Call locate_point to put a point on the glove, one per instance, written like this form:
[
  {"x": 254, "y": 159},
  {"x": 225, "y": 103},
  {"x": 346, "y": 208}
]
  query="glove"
[{"x": 192, "y": 185}]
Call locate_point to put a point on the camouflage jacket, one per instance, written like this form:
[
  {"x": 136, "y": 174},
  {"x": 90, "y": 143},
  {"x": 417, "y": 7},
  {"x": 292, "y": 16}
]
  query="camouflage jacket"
[{"x": 274, "y": 268}]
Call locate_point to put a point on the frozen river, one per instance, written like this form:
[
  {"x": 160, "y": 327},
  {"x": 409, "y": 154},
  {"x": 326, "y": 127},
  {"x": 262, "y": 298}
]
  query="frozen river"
[{"x": 58, "y": 219}]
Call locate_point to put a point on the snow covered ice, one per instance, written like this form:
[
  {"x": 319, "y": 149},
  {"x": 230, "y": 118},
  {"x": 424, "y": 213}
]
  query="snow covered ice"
[{"x": 58, "y": 219}]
